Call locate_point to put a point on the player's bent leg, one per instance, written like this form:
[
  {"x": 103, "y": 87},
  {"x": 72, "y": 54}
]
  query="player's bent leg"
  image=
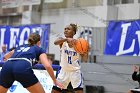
[
  {"x": 36, "y": 88},
  {"x": 78, "y": 90},
  {"x": 3, "y": 89},
  {"x": 56, "y": 90},
  {"x": 129, "y": 91}
]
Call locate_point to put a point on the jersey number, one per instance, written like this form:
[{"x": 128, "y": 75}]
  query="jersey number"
[
  {"x": 69, "y": 60},
  {"x": 23, "y": 49}
]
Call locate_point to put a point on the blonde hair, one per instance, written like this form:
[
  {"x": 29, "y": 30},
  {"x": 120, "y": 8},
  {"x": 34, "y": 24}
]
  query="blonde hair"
[{"x": 33, "y": 39}]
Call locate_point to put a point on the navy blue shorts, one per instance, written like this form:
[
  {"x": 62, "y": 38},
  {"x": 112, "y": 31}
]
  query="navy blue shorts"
[{"x": 18, "y": 70}]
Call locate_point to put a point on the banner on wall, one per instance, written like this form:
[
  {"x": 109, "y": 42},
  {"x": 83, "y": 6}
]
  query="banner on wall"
[
  {"x": 123, "y": 38},
  {"x": 14, "y": 36},
  {"x": 42, "y": 76}
]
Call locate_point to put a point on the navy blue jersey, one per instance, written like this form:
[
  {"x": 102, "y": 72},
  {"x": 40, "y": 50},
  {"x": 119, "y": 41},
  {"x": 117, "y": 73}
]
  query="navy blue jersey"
[{"x": 30, "y": 52}]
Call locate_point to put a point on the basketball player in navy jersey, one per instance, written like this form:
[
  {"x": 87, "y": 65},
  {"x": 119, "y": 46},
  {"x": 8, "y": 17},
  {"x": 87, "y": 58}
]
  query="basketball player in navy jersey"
[
  {"x": 19, "y": 66},
  {"x": 70, "y": 62}
]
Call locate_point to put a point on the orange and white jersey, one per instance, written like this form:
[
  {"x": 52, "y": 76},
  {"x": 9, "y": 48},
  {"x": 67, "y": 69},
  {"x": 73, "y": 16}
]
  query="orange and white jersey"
[{"x": 69, "y": 58}]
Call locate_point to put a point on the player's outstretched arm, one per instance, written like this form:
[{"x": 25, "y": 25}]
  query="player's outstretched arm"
[
  {"x": 84, "y": 57},
  {"x": 48, "y": 67},
  {"x": 8, "y": 55}
]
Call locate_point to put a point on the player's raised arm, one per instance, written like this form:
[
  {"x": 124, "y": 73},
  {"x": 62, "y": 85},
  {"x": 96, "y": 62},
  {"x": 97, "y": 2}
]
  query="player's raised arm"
[{"x": 60, "y": 40}]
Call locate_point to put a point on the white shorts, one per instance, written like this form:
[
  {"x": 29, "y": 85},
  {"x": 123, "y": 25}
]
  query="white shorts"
[
  {"x": 75, "y": 77},
  {"x": 135, "y": 90}
]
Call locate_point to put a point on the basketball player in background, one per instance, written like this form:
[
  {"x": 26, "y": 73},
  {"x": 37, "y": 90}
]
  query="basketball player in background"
[
  {"x": 136, "y": 77},
  {"x": 19, "y": 66},
  {"x": 70, "y": 61},
  {"x": 4, "y": 51}
]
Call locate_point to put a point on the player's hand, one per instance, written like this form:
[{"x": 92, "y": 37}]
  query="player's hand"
[
  {"x": 85, "y": 53},
  {"x": 59, "y": 85},
  {"x": 71, "y": 41},
  {"x": 135, "y": 68}
]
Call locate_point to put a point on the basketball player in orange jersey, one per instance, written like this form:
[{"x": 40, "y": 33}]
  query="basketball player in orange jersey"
[{"x": 70, "y": 61}]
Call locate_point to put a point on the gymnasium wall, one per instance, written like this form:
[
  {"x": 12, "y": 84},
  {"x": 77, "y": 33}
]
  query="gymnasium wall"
[{"x": 89, "y": 16}]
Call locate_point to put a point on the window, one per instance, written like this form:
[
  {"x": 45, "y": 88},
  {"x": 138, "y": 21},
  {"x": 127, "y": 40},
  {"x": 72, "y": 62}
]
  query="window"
[
  {"x": 127, "y": 1},
  {"x": 15, "y": 20},
  {"x": 3, "y": 20},
  {"x": 114, "y": 2},
  {"x": 26, "y": 8},
  {"x": 9, "y": 10},
  {"x": 10, "y": 20}
]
